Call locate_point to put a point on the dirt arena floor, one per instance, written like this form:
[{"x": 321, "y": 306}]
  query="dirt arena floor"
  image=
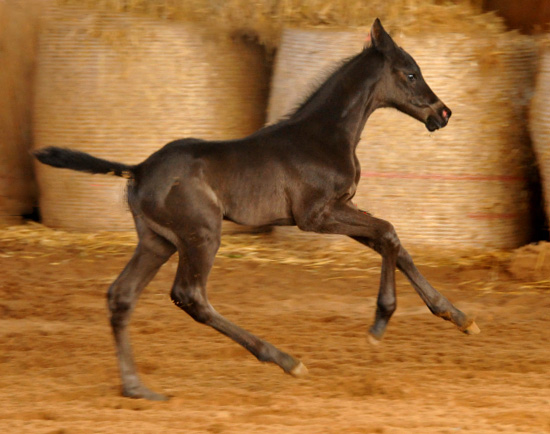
[{"x": 58, "y": 372}]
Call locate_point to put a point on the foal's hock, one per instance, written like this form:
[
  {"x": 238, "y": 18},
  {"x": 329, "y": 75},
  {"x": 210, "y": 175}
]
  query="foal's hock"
[{"x": 301, "y": 171}]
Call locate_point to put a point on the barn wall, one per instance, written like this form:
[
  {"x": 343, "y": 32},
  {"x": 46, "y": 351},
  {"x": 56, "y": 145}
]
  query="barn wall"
[{"x": 525, "y": 15}]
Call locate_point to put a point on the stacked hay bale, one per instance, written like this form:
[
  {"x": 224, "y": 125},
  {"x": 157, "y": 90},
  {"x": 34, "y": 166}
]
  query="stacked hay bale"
[
  {"x": 538, "y": 122},
  {"x": 17, "y": 51},
  {"x": 466, "y": 186},
  {"x": 121, "y": 86}
]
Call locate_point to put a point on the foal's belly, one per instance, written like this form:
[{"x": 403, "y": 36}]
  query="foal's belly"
[{"x": 258, "y": 208}]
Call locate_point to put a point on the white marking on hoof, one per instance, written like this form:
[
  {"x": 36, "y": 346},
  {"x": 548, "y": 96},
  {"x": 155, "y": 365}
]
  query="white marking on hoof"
[
  {"x": 372, "y": 340},
  {"x": 299, "y": 370},
  {"x": 472, "y": 329}
]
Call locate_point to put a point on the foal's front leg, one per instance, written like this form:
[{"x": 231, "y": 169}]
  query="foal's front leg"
[
  {"x": 436, "y": 302},
  {"x": 380, "y": 235},
  {"x": 387, "y": 245}
]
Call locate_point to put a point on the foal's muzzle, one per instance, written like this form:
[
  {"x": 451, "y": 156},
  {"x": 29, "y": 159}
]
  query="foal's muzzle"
[{"x": 439, "y": 119}]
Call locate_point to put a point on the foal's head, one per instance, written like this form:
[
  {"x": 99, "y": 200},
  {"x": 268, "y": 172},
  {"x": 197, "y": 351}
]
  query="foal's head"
[{"x": 402, "y": 85}]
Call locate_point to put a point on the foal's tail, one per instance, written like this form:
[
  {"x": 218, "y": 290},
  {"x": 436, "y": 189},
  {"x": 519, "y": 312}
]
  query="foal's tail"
[{"x": 76, "y": 160}]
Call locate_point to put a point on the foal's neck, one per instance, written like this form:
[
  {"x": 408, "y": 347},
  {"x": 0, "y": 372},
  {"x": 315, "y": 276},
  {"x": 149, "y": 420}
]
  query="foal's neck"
[{"x": 341, "y": 106}]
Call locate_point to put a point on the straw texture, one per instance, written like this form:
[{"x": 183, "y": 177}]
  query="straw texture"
[
  {"x": 538, "y": 122},
  {"x": 460, "y": 187},
  {"x": 265, "y": 19},
  {"x": 120, "y": 87},
  {"x": 17, "y": 51}
]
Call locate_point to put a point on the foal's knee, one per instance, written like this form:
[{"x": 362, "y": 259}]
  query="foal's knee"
[
  {"x": 388, "y": 242},
  {"x": 193, "y": 303}
]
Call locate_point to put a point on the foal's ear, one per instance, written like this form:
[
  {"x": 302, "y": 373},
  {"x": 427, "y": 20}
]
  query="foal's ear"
[{"x": 379, "y": 38}]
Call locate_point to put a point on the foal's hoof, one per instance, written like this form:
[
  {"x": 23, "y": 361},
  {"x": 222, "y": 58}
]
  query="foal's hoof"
[
  {"x": 142, "y": 392},
  {"x": 375, "y": 334},
  {"x": 299, "y": 370},
  {"x": 373, "y": 340},
  {"x": 471, "y": 329}
]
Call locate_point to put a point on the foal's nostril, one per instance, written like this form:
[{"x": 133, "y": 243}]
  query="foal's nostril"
[{"x": 446, "y": 113}]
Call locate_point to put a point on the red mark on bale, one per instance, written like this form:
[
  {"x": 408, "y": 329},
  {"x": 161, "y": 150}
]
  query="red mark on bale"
[{"x": 442, "y": 177}]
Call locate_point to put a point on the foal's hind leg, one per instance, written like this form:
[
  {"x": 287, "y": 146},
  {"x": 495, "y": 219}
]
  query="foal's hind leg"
[
  {"x": 151, "y": 252},
  {"x": 197, "y": 251}
]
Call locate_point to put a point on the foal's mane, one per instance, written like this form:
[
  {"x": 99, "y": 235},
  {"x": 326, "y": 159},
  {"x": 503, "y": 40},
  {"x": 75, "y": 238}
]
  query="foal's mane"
[{"x": 324, "y": 85}]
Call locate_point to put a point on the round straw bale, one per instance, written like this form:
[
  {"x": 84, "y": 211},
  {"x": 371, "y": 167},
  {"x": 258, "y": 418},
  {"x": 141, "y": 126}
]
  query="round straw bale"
[
  {"x": 465, "y": 186},
  {"x": 120, "y": 87},
  {"x": 538, "y": 122},
  {"x": 17, "y": 53}
]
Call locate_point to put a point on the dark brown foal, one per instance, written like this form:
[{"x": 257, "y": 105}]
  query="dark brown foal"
[{"x": 301, "y": 171}]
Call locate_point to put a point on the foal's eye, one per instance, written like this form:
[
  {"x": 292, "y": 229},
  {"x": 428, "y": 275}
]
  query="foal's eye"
[{"x": 411, "y": 77}]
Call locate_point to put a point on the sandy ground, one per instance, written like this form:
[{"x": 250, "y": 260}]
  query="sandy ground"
[{"x": 58, "y": 371}]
